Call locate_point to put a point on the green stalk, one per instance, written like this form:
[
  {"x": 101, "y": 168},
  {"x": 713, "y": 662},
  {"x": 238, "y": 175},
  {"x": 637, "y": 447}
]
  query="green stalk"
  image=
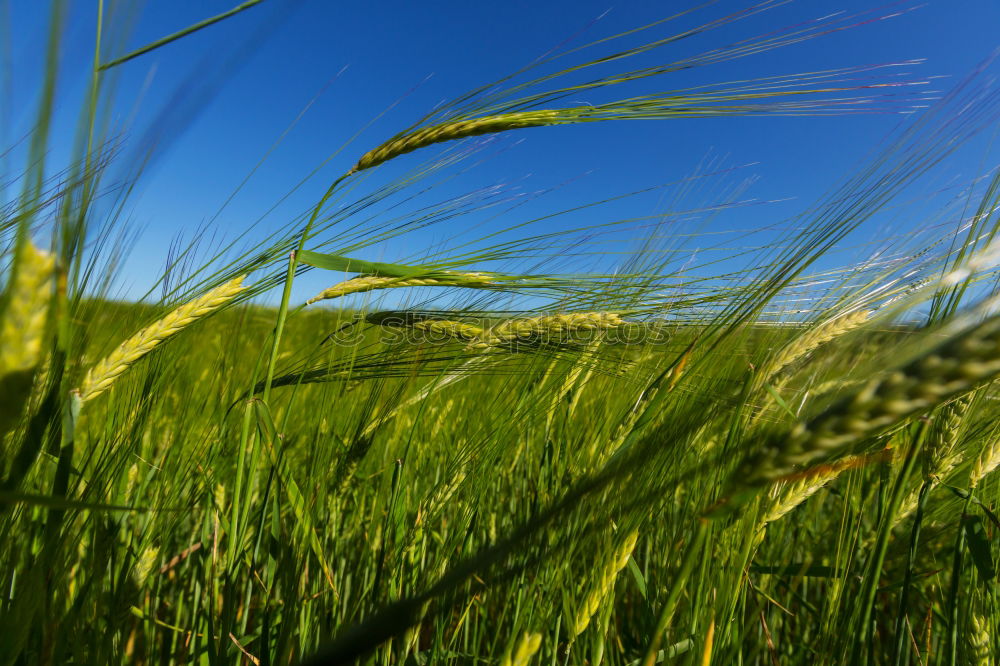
[
  {"x": 235, "y": 517},
  {"x": 870, "y": 585},
  {"x": 286, "y": 293},
  {"x": 902, "y": 645},
  {"x": 666, "y": 613},
  {"x": 179, "y": 34},
  {"x": 279, "y": 325},
  {"x": 95, "y": 77},
  {"x": 951, "y": 638},
  {"x": 88, "y": 181}
]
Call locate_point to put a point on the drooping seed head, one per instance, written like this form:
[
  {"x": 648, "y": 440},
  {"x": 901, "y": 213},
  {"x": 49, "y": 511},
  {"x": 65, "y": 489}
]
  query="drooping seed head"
[
  {"x": 988, "y": 460},
  {"x": 365, "y": 283},
  {"x": 811, "y": 340},
  {"x": 604, "y": 583},
  {"x": 797, "y": 492},
  {"x": 956, "y": 366},
  {"x": 22, "y": 329},
  {"x": 459, "y": 129},
  {"x": 525, "y": 650},
  {"x": 450, "y": 329},
  {"x": 100, "y": 377},
  {"x": 937, "y": 455},
  {"x": 553, "y": 328}
]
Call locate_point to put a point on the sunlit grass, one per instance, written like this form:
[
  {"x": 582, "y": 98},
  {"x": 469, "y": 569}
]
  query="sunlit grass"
[{"x": 470, "y": 455}]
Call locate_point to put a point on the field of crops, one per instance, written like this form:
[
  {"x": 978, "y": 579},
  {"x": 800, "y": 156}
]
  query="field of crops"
[{"x": 478, "y": 457}]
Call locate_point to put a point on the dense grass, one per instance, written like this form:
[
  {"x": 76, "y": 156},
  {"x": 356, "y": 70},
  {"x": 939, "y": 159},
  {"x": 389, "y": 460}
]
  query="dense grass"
[{"x": 784, "y": 464}]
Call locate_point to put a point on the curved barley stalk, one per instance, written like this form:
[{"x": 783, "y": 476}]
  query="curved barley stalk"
[
  {"x": 365, "y": 283},
  {"x": 459, "y": 129},
  {"x": 786, "y": 497},
  {"x": 797, "y": 492},
  {"x": 547, "y": 327},
  {"x": 100, "y": 377},
  {"x": 811, "y": 340},
  {"x": 956, "y": 366},
  {"x": 810, "y": 93},
  {"x": 604, "y": 584},
  {"x": 448, "y": 328}
]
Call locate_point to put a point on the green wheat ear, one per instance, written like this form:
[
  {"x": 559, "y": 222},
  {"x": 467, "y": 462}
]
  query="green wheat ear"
[
  {"x": 459, "y": 129},
  {"x": 603, "y": 584},
  {"x": 955, "y": 367},
  {"x": 526, "y": 648},
  {"x": 100, "y": 377},
  {"x": 365, "y": 283},
  {"x": 22, "y": 329}
]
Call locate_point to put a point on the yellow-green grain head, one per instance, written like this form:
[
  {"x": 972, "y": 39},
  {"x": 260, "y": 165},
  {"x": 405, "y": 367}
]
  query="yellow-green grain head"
[{"x": 22, "y": 329}]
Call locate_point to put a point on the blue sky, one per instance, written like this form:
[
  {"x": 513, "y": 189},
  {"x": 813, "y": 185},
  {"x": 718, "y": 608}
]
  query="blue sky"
[{"x": 221, "y": 98}]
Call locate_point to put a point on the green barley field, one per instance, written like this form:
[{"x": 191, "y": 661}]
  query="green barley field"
[{"x": 481, "y": 456}]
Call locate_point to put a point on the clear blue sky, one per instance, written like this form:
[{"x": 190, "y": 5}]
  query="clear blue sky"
[{"x": 224, "y": 95}]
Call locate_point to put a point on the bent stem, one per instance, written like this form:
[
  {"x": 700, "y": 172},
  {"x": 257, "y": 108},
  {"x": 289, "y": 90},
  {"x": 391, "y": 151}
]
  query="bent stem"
[
  {"x": 666, "y": 613},
  {"x": 293, "y": 263}
]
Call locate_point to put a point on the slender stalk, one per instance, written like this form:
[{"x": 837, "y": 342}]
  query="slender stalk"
[
  {"x": 279, "y": 325},
  {"x": 902, "y": 644},
  {"x": 179, "y": 34},
  {"x": 286, "y": 293},
  {"x": 951, "y": 609},
  {"x": 692, "y": 556},
  {"x": 870, "y": 584},
  {"x": 246, "y": 440}
]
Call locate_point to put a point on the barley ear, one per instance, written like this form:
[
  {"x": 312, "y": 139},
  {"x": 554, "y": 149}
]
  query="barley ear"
[
  {"x": 797, "y": 492},
  {"x": 988, "y": 460},
  {"x": 960, "y": 364},
  {"x": 458, "y": 129},
  {"x": 548, "y": 328},
  {"x": 979, "y": 641},
  {"x": 524, "y": 651},
  {"x": 355, "y": 286},
  {"x": 938, "y": 455},
  {"x": 145, "y": 565},
  {"x": 100, "y": 377},
  {"x": 364, "y": 283},
  {"x": 22, "y": 329},
  {"x": 449, "y": 329},
  {"x": 811, "y": 340},
  {"x": 603, "y": 585}
]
